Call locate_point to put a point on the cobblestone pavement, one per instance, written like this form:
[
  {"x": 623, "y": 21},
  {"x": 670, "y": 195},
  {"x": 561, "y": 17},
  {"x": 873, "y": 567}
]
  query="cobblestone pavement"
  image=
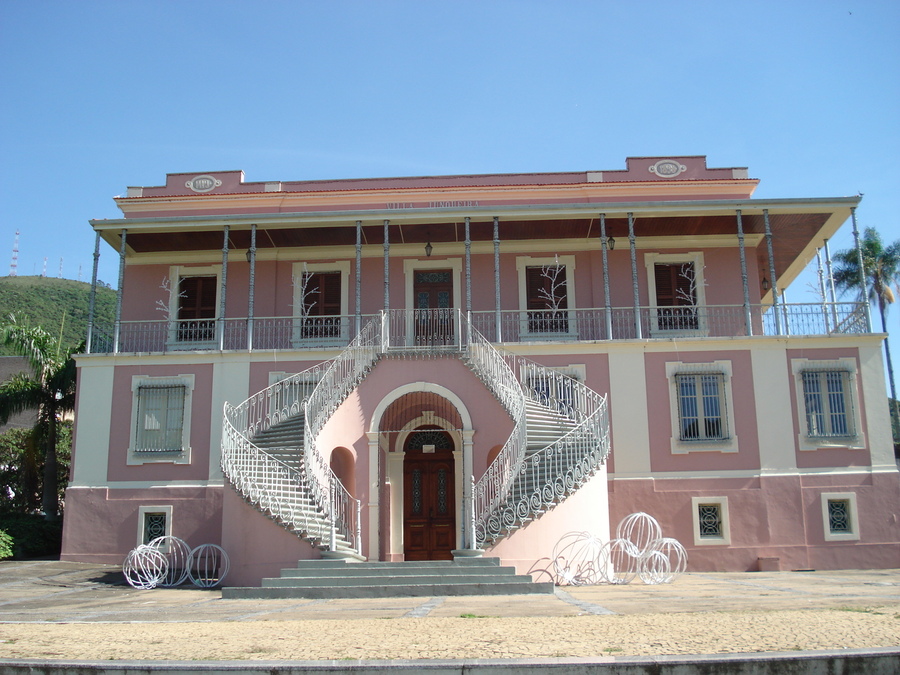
[{"x": 60, "y": 610}]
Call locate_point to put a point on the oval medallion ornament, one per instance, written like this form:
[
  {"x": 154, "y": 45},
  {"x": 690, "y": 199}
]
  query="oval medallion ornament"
[
  {"x": 203, "y": 183},
  {"x": 667, "y": 168}
]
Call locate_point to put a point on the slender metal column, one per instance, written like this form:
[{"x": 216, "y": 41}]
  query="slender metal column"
[
  {"x": 604, "y": 246},
  {"x": 387, "y": 283},
  {"x": 498, "y": 319},
  {"x": 118, "y": 327},
  {"x": 222, "y": 291},
  {"x": 634, "y": 278},
  {"x": 820, "y": 272},
  {"x": 829, "y": 277},
  {"x": 358, "y": 274},
  {"x": 93, "y": 301},
  {"x": 772, "y": 273},
  {"x": 252, "y": 292},
  {"x": 863, "y": 289},
  {"x": 468, "y": 272},
  {"x": 744, "y": 284}
]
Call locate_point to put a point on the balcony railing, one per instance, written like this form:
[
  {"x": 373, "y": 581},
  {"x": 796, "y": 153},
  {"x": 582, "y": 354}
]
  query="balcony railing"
[{"x": 417, "y": 329}]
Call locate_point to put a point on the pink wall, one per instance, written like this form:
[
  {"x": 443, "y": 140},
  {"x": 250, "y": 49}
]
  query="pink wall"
[
  {"x": 101, "y": 525},
  {"x": 742, "y": 409},
  {"x": 120, "y": 433}
]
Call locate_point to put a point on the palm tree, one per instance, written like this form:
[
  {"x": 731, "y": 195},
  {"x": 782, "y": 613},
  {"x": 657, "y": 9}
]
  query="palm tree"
[
  {"x": 49, "y": 389},
  {"x": 880, "y": 274}
]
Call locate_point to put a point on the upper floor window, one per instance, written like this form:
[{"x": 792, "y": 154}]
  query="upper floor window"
[
  {"x": 197, "y": 308},
  {"x": 321, "y": 305},
  {"x": 546, "y": 292},
  {"x": 676, "y": 284}
]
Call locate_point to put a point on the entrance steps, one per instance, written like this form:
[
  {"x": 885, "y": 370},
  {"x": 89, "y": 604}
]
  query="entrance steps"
[{"x": 328, "y": 579}]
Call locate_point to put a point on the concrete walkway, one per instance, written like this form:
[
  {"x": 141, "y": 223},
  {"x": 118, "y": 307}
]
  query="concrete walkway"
[{"x": 76, "y": 611}]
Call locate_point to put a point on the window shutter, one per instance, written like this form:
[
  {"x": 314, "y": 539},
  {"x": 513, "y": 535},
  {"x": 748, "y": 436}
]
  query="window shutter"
[{"x": 197, "y": 298}]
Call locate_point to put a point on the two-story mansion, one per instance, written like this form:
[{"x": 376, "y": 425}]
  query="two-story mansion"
[{"x": 400, "y": 368}]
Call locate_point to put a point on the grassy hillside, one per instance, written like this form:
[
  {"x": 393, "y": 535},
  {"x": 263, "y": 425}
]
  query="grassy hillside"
[{"x": 55, "y": 305}]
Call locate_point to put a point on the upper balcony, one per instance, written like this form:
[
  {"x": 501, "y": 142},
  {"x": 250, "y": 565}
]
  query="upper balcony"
[{"x": 434, "y": 328}]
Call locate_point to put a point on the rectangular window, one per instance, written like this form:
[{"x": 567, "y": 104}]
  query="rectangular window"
[
  {"x": 839, "y": 516},
  {"x": 160, "y": 418},
  {"x": 154, "y": 526},
  {"x": 701, "y": 407},
  {"x": 840, "y": 519},
  {"x": 711, "y": 524},
  {"x": 676, "y": 296},
  {"x": 547, "y": 299},
  {"x": 196, "y": 308},
  {"x": 828, "y": 404},
  {"x": 321, "y": 305},
  {"x": 709, "y": 517},
  {"x": 153, "y": 522}
]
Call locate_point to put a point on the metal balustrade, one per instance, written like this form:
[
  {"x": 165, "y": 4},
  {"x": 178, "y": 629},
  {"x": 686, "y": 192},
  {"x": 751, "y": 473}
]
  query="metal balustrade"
[{"x": 428, "y": 329}]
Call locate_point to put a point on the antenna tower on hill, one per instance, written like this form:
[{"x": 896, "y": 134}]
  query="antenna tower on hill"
[
  {"x": 59, "y": 276},
  {"x": 13, "y": 266},
  {"x": 44, "y": 271}
]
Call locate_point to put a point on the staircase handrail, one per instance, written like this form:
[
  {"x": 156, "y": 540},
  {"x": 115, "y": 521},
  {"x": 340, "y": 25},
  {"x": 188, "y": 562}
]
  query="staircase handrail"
[{"x": 341, "y": 376}]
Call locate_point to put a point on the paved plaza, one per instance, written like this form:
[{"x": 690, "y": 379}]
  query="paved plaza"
[{"x": 61, "y": 610}]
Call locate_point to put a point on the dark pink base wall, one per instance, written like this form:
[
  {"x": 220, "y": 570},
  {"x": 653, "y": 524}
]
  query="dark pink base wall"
[
  {"x": 772, "y": 517},
  {"x": 101, "y": 525},
  {"x": 257, "y": 546}
]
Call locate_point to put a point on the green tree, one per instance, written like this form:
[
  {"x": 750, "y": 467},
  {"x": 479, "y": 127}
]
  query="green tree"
[
  {"x": 880, "y": 273},
  {"x": 49, "y": 389}
]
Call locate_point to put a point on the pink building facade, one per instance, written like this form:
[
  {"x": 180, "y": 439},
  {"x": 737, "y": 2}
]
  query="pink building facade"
[{"x": 423, "y": 368}]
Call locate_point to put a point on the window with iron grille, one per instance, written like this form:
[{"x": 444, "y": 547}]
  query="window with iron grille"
[
  {"x": 840, "y": 518},
  {"x": 709, "y": 517},
  {"x": 711, "y": 521},
  {"x": 828, "y": 403},
  {"x": 839, "y": 521},
  {"x": 702, "y": 412},
  {"x": 154, "y": 526},
  {"x": 160, "y": 418}
]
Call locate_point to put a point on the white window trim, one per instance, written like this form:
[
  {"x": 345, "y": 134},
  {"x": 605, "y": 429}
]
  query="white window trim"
[
  {"x": 176, "y": 272},
  {"x": 805, "y": 442},
  {"x": 143, "y": 510},
  {"x": 850, "y": 498},
  {"x": 297, "y": 270},
  {"x": 137, "y": 457},
  {"x": 725, "y": 538},
  {"x": 680, "y": 447},
  {"x": 695, "y": 257},
  {"x": 565, "y": 261}
]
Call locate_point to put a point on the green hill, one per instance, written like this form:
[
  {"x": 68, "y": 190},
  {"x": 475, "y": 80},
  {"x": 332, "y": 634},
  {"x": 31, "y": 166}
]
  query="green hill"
[{"x": 55, "y": 305}]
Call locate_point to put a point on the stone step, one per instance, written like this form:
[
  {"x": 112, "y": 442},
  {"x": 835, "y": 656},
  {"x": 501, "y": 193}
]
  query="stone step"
[
  {"x": 384, "y": 591},
  {"x": 405, "y": 580}
]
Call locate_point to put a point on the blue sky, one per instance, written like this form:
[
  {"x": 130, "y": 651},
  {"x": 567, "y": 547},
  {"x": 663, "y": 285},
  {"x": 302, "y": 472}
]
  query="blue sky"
[{"x": 100, "y": 95}]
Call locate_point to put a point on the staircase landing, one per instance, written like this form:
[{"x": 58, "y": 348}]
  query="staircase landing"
[{"x": 328, "y": 579}]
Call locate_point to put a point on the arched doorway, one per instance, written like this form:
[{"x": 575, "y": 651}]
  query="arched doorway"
[{"x": 429, "y": 499}]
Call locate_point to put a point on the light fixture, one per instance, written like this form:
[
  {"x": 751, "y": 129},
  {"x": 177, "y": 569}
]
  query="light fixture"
[
  {"x": 249, "y": 254},
  {"x": 765, "y": 284},
  {"x": 428, "y": 249},
  {"x": 611, "y": 243}
]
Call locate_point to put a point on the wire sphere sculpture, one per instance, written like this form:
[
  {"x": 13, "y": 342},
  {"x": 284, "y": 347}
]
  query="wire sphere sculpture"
[
  {"x": 663, "y": 562},
  {"x": 576, "y": 559},
  {"x": 177, "y": 554},
  {"x": 619, "y": 561},
  {"x": 641, "y": 529},
  {"x": 145, "y": 567},
  {"x": 208, "y": 565}
]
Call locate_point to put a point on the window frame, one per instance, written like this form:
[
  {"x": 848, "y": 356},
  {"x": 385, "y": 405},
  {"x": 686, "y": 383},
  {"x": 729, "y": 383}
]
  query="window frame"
[
  {"x": 730, "y": 442},
  {"x": 176, "y": 274},
  {"x": 298, "y": 269},
  {"x": 806, "y": 441},
  {"x": 651, "y": 259},
  {"x": 136, "y": 455},
  {"x": 850, "y": 499},
  {"x": 143, "y": 512},
  {"x": 567, "y": 262},
  {"x": 725, "y": 537}
]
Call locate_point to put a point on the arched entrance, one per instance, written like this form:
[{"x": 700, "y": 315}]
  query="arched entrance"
[{"x": 429, "y": 514}]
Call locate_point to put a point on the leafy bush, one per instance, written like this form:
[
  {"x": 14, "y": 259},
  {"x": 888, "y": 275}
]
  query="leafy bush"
[
  {"x": 31, "y": 535},
  {"x": 6, "y": 545}
]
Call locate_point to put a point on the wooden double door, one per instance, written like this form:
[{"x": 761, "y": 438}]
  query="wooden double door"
[{"x": 429, "y": 499}]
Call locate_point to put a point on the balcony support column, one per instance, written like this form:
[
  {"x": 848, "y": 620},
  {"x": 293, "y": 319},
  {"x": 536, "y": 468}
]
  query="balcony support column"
[
  {"x": 498, "y": 318},
  {"x": 468, "y": 283},
  {"x": 863, "y": 289},
  {"x": 222, "y": 291},
  {"x": 829, "y": 276},
  {"x": 744, "y": 284},
  {"x": 387, "y": 252},
  {"x": 93, "y": 300},
  {"x": 252, "y": 291},
  {"x": 358, "y": 274},
  {"x": 634, "y": 278},
  {"x": 118, "y": 328},
  {"x": 604, "y": 247},
  {"x": 820, "y": 272},
  {"x": 772, "y": 274}
]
